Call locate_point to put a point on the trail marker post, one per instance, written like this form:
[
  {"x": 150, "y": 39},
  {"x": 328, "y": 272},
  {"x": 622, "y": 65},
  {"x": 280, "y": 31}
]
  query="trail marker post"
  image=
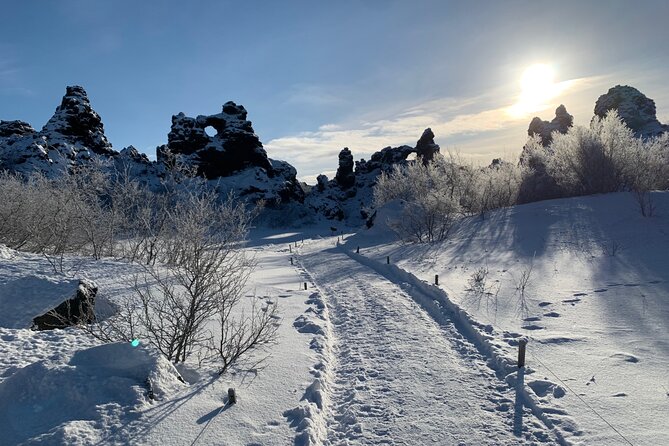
[
  {"x": 357, "y": 251},
  {"x": 521, "y": 352},
  {"x": 305, "y": 286},
  {"x": 436, "y": 279},
  {"x": 388, "y": 260},
  {"x": 232, "y": 396},
  {"x": 291, "y": 260}
]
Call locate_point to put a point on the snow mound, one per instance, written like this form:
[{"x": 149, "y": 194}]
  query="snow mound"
[
  {"x": 6, "y": 253},
  {"x": 50, "y": 399},
  {"x": 24, "y": 298}
]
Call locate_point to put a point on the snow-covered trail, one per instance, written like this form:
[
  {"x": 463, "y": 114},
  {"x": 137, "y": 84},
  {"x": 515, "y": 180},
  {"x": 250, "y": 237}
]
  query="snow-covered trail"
[{"x": 400, "y": 377}]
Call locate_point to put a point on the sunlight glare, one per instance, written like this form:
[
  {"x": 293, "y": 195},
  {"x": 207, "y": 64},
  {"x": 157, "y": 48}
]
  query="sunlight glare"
[{"x": 537, "y": 88}]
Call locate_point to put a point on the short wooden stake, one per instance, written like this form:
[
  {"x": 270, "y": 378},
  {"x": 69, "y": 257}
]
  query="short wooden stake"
[
  {"x": 232, "y": 396},
  {"x": 305, "y": 285},
  {"x": 290, "y": 247},
  {"x": 521, "y": 352},
  {"x": 436, "y": 279},
  {"x": 357, "y": 251},
  {"x": 388, "y": 260},
  {"x": 291, "y": 260}
]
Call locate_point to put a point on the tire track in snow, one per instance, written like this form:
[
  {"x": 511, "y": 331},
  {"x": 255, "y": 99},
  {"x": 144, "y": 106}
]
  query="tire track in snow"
[{"x": 401, "y": 378}]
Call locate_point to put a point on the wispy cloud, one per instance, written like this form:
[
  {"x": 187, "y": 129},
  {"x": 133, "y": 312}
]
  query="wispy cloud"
[
  {"x": 454, "y": 120},
  {"x": 313, "y": 95}
]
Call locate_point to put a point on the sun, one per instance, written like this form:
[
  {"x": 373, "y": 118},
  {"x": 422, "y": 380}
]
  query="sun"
[
  {"x": 537, "y": 80},
  {"x": 537, "y": 86}
]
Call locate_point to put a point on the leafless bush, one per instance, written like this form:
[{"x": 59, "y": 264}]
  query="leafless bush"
[
  {"x": 186, "y": 302},
  {"x": 479, "y": 291},
  {"x": 432, "y": 202},
  {"x": 522, "y": 281}
]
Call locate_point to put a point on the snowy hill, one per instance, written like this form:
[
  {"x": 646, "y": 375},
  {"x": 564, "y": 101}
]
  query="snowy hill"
[{"x": 376, "y": 353}]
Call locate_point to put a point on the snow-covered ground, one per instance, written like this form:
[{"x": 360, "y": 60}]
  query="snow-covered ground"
[{"x": 376, "y": 353}]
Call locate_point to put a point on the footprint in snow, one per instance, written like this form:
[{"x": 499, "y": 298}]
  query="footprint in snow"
[
  {"x": 571, "y": 301},
  {"x": 545, "y": 304},
  {"x": 532, "y": 319},
  {"x": 600, "y": 290},
  {"x": 580, "y": 294},
  {"x": 532, "y": 327},
  {"x": 625, "y": 357},
  {"x": 552, "y": 314},
  {"x": 619, "y": 395}
]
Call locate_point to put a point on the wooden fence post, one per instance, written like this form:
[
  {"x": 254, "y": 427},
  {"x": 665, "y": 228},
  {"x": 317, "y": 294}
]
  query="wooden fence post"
[
  {"x": 232, "y": 396},
  {"x": 357, "y": 251},
  {"x": 305, "y": 285},
  {"x": 521, "y": 352},
  {"x": 291, "y": 260},
  {"x": 436, "y": 279},
  {"x": 388, "y": 260}
]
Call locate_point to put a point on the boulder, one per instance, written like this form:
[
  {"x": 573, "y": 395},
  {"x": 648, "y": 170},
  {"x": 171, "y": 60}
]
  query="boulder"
[{"x": 80, "y": 309}]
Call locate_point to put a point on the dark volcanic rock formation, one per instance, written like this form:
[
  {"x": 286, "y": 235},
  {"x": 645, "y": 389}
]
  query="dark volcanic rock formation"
[
  {"x": 426, "y": 147},
  {"x": 349, "y": 195},
  {"x": 234, "y": 147},
  {"x": 80, "y": 309},
  {"x": 545, "y": 129},
  {"x": 345, "y": 176},
  {"x": 76, "y": 126},
  {"x": 15, "y": 128},
  {"x": 234, "y": 158},
  {"x": 634, "y": 108},
  {"x": 72, "y": 136}
]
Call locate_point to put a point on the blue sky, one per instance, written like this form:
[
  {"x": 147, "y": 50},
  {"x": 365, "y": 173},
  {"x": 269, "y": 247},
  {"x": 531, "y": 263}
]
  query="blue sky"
[{"x": 318, "y": 76}]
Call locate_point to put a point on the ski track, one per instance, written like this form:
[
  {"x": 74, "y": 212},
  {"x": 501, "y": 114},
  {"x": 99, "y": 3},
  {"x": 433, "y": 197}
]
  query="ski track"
[{"x": 399, "y": 377}]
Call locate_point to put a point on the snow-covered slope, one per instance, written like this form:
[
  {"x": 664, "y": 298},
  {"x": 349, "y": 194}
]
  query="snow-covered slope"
[{"x": 595, "y": 308}]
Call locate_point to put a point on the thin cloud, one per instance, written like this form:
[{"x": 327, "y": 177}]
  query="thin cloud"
[{"x": 449, "y": 118}]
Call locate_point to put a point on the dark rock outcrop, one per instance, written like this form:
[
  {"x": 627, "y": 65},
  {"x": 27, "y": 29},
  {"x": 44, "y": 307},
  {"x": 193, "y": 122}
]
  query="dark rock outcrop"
[
  {"x": 74, "y": 136},
  {"x": 426, "y": 147},
  {"x": 345, "y": 176},
  {"x": 75, "y": 126},
  {"x": 635, "y": 109},
  {"x": 544, "y": 129},
  {"x": 80, "y": 309},
  {"x": 234, "y": 147},
  {"x": 15, "y": 128},
  {"x": 350, "y": 194}
]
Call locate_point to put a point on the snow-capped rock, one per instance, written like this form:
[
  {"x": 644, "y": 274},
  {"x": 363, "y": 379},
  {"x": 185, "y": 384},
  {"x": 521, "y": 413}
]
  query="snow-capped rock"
[
  {"x": 73, "y": 136},
  {"x": 634, "y": 108},
  {"x": 234, "y": 147},
  {"x": 234, "y": 156},
  {"x": 561, "y": 123}
]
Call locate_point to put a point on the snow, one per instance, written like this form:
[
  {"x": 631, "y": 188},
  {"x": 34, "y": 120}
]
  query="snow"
[{"x": 376, "y": 353}]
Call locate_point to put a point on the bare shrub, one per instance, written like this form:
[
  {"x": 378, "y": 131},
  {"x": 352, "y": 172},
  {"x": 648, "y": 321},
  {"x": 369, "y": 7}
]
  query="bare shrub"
[
  {"x": 479, "y": 291},
  {"x": 432, "y": 200},
  {"x": 185, "y": 303},
  {"x": 521, "y": 282}
]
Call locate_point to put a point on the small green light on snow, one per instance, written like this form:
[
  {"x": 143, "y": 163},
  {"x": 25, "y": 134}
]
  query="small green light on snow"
[{"x": 134, "y": 342}]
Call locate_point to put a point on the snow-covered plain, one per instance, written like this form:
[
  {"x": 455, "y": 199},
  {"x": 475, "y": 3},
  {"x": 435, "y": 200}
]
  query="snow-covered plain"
[{"x": 376, "y": 353}]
